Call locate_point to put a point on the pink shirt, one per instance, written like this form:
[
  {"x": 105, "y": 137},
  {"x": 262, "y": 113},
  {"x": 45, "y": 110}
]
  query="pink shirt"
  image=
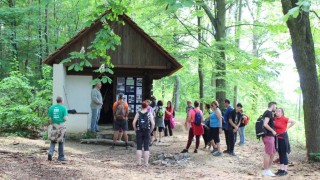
[{"x": 192, "y": 114}]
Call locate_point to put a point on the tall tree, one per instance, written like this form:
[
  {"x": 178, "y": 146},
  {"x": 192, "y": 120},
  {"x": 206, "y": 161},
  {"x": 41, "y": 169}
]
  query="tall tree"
[
  {"x": 304, "y": 57},
  {"x": 200, "y": 61},
  {"x": 12, "y": 5},
  {"x": 40, "y": 55},
  {"x": 218, "y": 21}
]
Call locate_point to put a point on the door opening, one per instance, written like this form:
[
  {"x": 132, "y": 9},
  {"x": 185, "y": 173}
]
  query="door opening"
[{"x": 106, "y": 115}]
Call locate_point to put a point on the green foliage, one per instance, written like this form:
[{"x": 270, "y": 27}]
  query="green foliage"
[
  {"x": 315, "y": 157},
  {"x": 302, "y": 5},
  {"x": 22, "y": 107},
  {"x": 105, "y": 40}
]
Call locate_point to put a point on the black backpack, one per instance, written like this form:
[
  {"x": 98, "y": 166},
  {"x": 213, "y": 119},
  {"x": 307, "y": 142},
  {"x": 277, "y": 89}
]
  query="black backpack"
[
  {"x": 143, "y": 121},
  {"x": 260, "y": 130}
]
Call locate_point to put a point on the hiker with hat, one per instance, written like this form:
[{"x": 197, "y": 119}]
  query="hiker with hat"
[{"x": 120, "y": 119}]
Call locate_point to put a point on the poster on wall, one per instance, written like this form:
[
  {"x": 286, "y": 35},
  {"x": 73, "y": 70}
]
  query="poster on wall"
[
  {"x": 138, "y": 108},
  {"x": 131, "y": 108},
  {"x": 129, "y": 89},
  {"x": 139, "y": 91},
  {"x": 130, "y": 98},
  {"x": 139, "y": 99},
  {"x": 139, "y": 81},
  {"x": 121, "y": 85},
  {"x": 130, "y": 81}
]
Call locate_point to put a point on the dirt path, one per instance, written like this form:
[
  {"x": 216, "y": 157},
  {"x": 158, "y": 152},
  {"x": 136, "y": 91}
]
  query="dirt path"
[{"x": 27, "y": 159}]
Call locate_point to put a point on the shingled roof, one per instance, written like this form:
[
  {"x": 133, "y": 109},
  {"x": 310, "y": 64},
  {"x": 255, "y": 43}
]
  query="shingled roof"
[{"x": 52, "y": 58}]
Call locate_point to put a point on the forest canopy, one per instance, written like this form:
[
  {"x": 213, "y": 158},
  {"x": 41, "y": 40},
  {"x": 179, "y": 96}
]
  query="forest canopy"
[{"x": 234, "y": 49}]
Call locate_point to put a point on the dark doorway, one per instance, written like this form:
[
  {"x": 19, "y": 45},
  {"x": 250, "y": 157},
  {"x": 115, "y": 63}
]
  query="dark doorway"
[{"x": 106, "y": 114}]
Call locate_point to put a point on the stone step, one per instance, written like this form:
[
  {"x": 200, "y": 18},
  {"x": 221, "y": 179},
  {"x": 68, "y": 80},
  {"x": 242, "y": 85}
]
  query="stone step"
[{"x": 108, "y": 134}]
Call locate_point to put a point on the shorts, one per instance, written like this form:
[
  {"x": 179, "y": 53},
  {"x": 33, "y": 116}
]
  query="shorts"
[
  {"x": 120, "y": 125},
  {"x": 214, "y": 134},
  {"x": 143, "y": 138},
  {"x": 160, "y": 129},
  {"x": 269, "y": 145}
]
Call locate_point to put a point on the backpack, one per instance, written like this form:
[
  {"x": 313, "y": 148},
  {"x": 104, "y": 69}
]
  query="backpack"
[
  {"x": 159, "y": 113},
  {"x": 197, "y": 118},
  {"x": 260, "y": 130},
  {"x": 246, "y": 120},
  {"x": 120, "y": 112},
  {"x": 143, "y": 121}
]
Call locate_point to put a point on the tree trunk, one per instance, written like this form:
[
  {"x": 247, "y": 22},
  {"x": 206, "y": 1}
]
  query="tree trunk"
[
  {"x": 238, "y": 17},
  {"x": 200, "y": 64},
  {"x": 304, "y": 57},
  {"x": 14, "y": 45},
  {"x": 255, "y": 49},
  {"x": 176, "y": 93},
  {"x": 40, "y": 42},
  {"x": 46, "y": 29},
  {"x": 219, "y": 24},
  {"x": 163, "y": 92},
  {"x": 56, "y": 30}
]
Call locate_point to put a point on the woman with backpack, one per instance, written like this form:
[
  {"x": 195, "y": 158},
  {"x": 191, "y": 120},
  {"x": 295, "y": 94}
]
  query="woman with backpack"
[
  {"x": 159, "y": 120},
  {"x": 143, "y": 123},
  {"x": 215, "y": 128},
  {"x": 195, "y": 118},
  {"x": 281, "y": 125},
  {"x": 206, "y": 126},
  {"x": 168, "y": 117}
]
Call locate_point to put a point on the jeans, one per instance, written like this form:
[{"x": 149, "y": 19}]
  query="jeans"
[
  {"x": 60, "y": 150},
  {"x": 95, "y": 119},
  {"x": 241, "y": 134}
]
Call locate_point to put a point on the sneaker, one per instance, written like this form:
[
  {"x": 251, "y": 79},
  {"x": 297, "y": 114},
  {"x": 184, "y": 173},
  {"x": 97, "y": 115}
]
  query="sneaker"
[
  {"x": 267, "y": 172},
  {"x": 214, "y": 150},
  {"x": 195, "y": 151},
  {"x": 283, "y": 173},
  {"x": 225, "y": 151},
  {"x": 232, "y": 154},
  {"x": 279, "y": 171},
  {"x": 62, "y": 159},
  {"x": 146, "y": 165},
  {"x": 155, "y": 140},
  {"x": 184, "y": 151},
  {"x": 217, "y": 154},
  {"x": 112, "y": 147},
  {"x": 49, "y": 157}
]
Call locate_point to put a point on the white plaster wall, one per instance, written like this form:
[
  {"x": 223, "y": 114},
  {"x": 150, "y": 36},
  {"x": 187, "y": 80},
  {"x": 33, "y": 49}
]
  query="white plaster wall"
[
  {"x": 77, "y": 123},
  {"x": 78, "y": 95},
  {"x": 59, "y": 76}
]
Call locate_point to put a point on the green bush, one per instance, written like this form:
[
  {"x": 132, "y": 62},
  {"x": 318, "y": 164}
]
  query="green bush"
[{"x": 23, "y": 107}]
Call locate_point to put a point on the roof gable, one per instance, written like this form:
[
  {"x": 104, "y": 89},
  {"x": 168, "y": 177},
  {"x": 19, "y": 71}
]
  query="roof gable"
[{"x": 137, "y": 49}]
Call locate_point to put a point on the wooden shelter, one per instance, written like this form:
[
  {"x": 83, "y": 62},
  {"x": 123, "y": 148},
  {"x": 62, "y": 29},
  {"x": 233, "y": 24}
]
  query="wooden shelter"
[{"x": 137, "y": 62}]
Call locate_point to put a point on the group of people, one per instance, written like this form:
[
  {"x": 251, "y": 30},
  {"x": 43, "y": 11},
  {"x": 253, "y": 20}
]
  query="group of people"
[
  {"x": 153, "y": 119},
  {"x": 213, "y": 123}
]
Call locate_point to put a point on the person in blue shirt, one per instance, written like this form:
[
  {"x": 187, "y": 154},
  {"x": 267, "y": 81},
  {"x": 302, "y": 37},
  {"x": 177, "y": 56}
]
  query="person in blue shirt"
[
  {"x": 215, "y": 128},
  {"x": 225, "y": 123}
]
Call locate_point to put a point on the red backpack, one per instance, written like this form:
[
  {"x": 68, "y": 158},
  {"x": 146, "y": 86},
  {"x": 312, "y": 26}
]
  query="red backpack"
[{"x": 246, "y": 120}]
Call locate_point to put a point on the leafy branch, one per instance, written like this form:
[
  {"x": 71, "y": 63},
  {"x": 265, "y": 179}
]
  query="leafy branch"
[{"x": 105, "y": 40}]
